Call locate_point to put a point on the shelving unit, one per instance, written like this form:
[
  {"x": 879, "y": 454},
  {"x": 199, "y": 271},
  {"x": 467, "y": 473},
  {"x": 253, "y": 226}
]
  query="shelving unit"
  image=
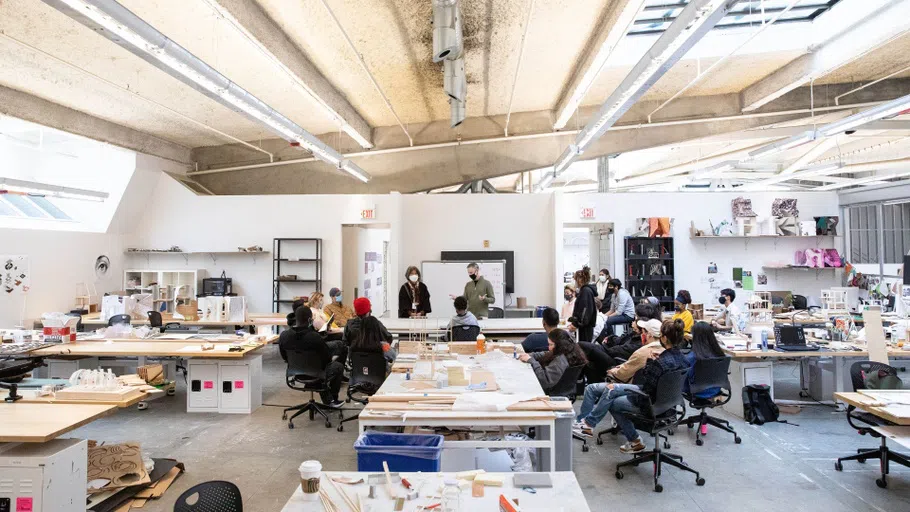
[
  {"x": 301, "y": 257},
  {"x": 166, "y": 286},
  {"x": 186, "y": 255},
  {"x": 649, "y": 269}
]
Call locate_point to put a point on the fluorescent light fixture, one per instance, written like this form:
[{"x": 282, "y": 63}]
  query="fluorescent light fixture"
[
  {"x": 45, "y": 189},
  {"x": 867, "y": 116},
  {"x": 354, "y": 170},
  {"x": 865, "y": 181},
  {"x": 808, "y": 172},
  {"x": 566, "y": 159},
  {"x": 545, "y": 182},
  {"x": 112, "y": 20},
  {"x": 714, "y": 170},
  {"x": 783, "y": 145},
  {"x": 693, "y": 22}
]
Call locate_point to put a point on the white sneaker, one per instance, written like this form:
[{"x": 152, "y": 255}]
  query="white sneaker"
[
  {"x": 582, "y": 429},
  {"x": 633, "y": 446}
]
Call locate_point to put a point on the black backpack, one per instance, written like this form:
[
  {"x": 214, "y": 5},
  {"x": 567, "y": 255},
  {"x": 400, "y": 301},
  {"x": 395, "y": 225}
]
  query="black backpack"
[{"x": 758, "y": 407}]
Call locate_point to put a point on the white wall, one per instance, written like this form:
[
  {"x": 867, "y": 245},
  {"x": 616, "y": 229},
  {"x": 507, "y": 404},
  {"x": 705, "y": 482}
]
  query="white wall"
[{"x": 692, "y": 256}]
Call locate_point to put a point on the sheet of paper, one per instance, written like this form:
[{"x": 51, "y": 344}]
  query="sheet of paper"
[
  {"x": 875, "y": 336},
  {"x": 173, "y": 336},
  {"x": 748, "y": 283},
  {"x": 198, "y": 348},
  {"x": 737, "y": 273},
  {"x": 488, "y": 401}
]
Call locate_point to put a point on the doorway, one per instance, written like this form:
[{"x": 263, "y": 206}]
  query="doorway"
[
  {"x": 587, "y": 244},
  {"x": 365, "y": 264}
]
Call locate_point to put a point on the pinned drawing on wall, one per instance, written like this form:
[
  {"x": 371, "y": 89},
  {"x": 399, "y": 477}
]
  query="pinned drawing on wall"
[
  {"x": 712, "y": 268},
  {"x": 762, "y": 279},
  {"x": 748, "y": 283},
  {"x": 737, "y": 273},
  {"x": 14, "y": 275},
  {"x": 102, "y": 266},
  {"x": 737, "y": 284}
]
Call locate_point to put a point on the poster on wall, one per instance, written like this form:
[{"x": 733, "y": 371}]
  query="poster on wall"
[
  {"x": 372, "y": 283},
  {"x": 15, "y": 277}
]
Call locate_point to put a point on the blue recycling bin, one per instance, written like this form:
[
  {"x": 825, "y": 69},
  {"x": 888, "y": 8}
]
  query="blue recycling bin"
[{"x": 403, "y": 452}]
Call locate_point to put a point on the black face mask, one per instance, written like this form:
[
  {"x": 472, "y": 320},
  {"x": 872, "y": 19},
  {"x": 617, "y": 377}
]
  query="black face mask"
[
  {"x": 611, "y": 290},
  {"x": 568, "y": 297},
  {"x": 722, "y": 301},
  {"x": 473, "y": 277}
]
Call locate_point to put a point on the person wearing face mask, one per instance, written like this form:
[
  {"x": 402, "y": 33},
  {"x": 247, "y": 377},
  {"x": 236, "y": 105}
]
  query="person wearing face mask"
[
  {"x": 603, "y": 278},
  {"x": 414, "y": 296},
  {"x": 584, "y": 313},
  {"x": 336, "y": 307},
  {"x": 479, "y": 292},
  {"x": 568, "y": 293},
  {"x": 681, "y": 304},
  {"x": 730, "y": 314},
  {"x": 622, "y": 307}
]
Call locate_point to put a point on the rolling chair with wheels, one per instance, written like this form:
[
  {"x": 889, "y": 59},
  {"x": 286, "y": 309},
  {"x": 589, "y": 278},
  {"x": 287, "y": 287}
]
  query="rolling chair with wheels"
[
  {"x": 710, "y": 373},
  {"x": 465, "y": 332},
  {"x": 215, "y": 495},
  {"x": 662, "y": 414},
  {"x": 566, "y": 386},
  {"x": 867, "y": 421},
  {"x": 119, "y": 319},
  {"x": 497, "y": 313},
  {"x": 305, "y": 373},
  {"x": 368, "y": 372}
]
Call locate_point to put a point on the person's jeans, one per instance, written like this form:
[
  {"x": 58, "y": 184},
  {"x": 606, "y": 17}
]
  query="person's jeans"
[
  {"x": 616, "y": 319},
  {"x": 599, "y": 400},
  {"x": 599, "y": 361}
]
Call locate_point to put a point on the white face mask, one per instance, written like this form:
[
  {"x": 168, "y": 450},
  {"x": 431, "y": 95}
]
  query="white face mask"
[
  {"x": 602, "y": 279},
  {"x": 413, "y": 278}
]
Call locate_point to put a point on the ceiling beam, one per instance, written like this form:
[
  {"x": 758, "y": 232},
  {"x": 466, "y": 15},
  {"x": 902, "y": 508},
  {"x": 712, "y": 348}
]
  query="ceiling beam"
[
  {"x": 249, "y": 18},
  {"x": 40, "y": 111},
  {"x": 609, "y": 32},
  {"x": 879, "y": 28},
  {"x": 868, "y": 179}
]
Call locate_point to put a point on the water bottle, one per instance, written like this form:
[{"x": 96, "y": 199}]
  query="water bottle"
[
  {"x": 407, "y": 374},
  {"x": 514, "y": 352},
  {"x": 764, "y": 340}
]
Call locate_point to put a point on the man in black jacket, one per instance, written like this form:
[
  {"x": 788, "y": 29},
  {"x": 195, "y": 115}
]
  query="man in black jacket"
[{"x": 303, "y": 337}]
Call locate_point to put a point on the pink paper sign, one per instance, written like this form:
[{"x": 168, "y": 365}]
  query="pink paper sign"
[
  {"x": 238, "y": 384},
  {"x": 208, "y": 384},
  {"x": 23, "y": 504}
]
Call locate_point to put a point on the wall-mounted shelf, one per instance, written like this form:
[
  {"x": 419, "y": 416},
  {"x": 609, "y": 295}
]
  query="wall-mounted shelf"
[
  {"x": 747, "y": 238},
  {"x": 818, "y": 270},
  {"x": 760, "y": 236},
  {"x": 186, "y": 255}
]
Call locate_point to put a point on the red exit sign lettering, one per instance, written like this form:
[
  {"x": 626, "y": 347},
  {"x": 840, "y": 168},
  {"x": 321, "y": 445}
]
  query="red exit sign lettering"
[
  {"x": 587, "y": 213},
  {"x": 368, "y": 214}
]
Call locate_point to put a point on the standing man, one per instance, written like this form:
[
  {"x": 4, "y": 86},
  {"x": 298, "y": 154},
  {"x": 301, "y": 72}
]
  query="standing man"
[
  {"x": 479, "y": 292},
  {"x": 336, "y": 307}
]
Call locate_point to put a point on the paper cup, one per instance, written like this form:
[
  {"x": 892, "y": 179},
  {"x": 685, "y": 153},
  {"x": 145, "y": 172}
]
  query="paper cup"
[{"x": 309, "y": 479}]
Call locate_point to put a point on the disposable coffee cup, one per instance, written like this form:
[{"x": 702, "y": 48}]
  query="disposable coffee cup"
[{"x": 310, "y": 471}]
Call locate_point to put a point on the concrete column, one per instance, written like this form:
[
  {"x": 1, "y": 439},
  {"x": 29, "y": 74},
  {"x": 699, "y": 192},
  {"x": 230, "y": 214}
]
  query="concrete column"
[{"x": 603, "y": 174}]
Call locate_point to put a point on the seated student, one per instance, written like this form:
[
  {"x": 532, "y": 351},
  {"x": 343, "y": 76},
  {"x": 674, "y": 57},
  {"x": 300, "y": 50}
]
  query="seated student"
[
  {"x": 602, "y": 356},
  {"x": 363, "y": 309},
  {"x": 336, "y": 307},
  {"x": 370, "y": 339},
  {"x": 638, "y": 359},
  {"x": 704, "y": 346},
  {"x": 462, "y": 315},
  {"x": 681, "y": 304},
  {"x": 619, "y": 400},
  {"x": 297, "y": 303},
  {"x": 730, "y": 316},
  {"x": 562, "y": 353},
  {"x": 622, "y": 307},
  {"x": 537, "y": 342},
  {"x": 303, "y": 337},
  {"x": 316, "y": 304}
]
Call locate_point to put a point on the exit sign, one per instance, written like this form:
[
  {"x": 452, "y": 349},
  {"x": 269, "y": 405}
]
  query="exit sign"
[
  {"x": 368, "y": 214},
  {"x": 588, "y": 213}
]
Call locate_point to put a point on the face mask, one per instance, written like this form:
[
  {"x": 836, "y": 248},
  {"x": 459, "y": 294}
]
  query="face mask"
[
  {"x": 473, "y": 277},
  {"x": 722, "y": 301},
  {"x": 679, "y": 308},
  {"x": 602, "y": 279},
  {"x": 338, "y": 299},
  {"x": 568, "y": 297},
  {"x": 413, "y": 278},
  {"x": 611, "y": 290}
]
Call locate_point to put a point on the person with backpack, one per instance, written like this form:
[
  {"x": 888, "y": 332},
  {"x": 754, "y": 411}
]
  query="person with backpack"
[{"x": 584, "y": 315}]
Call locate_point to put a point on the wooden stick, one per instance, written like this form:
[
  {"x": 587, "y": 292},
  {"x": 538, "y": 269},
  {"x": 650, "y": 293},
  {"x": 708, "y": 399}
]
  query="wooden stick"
[
  {"x": 344, "y": 496},
  {"x": 327, "y": 502},
  {"x": 388, "y": 479}
]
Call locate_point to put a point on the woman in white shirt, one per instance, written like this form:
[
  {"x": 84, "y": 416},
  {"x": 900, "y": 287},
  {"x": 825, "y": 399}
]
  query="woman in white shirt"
[{"x": 569, "y": 306}]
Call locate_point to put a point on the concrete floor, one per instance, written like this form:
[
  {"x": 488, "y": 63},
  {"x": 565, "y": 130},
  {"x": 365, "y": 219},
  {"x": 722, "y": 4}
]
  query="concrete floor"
[{"x": 776, "y": 467}]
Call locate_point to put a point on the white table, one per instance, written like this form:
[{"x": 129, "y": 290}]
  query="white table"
[
  {"x": 564, "y": 496},
  {"x": 513, "y": 377},
  {"x": 490, "y": 326}
]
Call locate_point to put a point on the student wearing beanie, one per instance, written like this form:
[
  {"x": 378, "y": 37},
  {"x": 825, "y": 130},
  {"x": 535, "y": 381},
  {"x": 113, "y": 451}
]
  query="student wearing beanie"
[
  {"x": 362, "y": 309},
  {"x": 336, "y": 307}
]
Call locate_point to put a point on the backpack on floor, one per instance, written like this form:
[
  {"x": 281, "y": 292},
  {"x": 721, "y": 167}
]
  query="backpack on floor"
[{"x": 758, "y": 407}]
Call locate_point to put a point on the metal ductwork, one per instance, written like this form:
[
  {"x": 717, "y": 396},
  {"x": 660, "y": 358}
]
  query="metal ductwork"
[
  {"x": 447, "y": 36},
  {"x": 455, "y": 83},
  {"x": 458, "y": 112}
]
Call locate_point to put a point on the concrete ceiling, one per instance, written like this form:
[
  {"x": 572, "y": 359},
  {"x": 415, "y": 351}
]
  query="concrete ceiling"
[{"x": 294, "y": 57}]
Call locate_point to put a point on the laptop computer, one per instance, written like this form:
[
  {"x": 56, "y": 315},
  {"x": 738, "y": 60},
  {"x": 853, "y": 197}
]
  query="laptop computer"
[{"x": 791, "y": 338}]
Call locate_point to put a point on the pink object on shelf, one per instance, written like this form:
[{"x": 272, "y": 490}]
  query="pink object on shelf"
[
  {"x": 815, "y": 258},
  {"x": 799, "y": 259},
  {"x": 832, "y": 258}
]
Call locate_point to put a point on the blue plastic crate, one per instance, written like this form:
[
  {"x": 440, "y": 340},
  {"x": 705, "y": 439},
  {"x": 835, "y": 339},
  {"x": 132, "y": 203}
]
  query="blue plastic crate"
[{"x": 403, "y": 452}]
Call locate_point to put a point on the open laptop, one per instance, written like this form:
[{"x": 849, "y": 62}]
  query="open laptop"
[{"x": 791, "y": 338}]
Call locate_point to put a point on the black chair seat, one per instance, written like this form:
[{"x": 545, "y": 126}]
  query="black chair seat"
[
  {"x": 709, "y": 374},
  {"x": 305, "y": 373},
  {"x": 368, "y": 372}
]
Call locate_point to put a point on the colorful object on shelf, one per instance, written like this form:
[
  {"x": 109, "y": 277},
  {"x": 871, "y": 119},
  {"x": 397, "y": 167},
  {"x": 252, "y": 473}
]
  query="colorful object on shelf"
[
  {"x": 826, "y": 225},
  {"x": 815, "y": 258},
  {"x": 832, "y": 258},
  {"x": 742, "y": 207},
  {"x": 784, "y": 207}
]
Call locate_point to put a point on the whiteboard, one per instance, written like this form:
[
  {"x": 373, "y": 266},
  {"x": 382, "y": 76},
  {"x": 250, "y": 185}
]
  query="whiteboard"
[{"x": 444, "y": 278}]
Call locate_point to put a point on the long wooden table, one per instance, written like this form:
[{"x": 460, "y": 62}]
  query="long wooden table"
[
  {"x": 94, "y": 321},
  {"x": 30, "y": 396},
  {"x": 565, "y": 494},
  {"x": 398, "y": 404},
  {"x": 489, "y": 326},
  {"x": 38, "y": 423},
  {"x": 877, "y": 407},
  {"x": 144, "y": 348}
]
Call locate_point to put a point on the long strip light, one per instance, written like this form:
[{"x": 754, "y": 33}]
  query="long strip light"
[
  {"x": 545, "y": 182},
  {"x": 695, "y": 20},
  {"x": 809, "y": 172},
  {"x": 783, "y": 144},
  {"x": 46, "y": 189},
  {"x": 867, "y": 116},
  {"x": 124, "y": 28}
]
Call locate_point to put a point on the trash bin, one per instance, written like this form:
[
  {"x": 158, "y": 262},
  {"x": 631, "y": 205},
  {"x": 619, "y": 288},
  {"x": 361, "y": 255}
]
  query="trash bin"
[{"x": 403, "y": 452}]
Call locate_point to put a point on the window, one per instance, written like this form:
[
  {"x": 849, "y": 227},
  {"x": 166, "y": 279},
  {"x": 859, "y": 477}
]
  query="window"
[
  {"x": 896, "y": 231},
  {"x": 863, "y": 234},
  {"x": 33, "y": 206}
]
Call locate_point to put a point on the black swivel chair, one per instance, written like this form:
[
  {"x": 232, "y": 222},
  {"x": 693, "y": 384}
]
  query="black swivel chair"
[
  {"x": 155, "y": 319},
  {"x": 79, "y": 326},
  {"x": 710, "y": 373},
  {"x": 465, "y": 332},
  {"x": 215, "y": 495},
  {"x": 119, "y": 319},
  {"x": 305, "y": 373},
  {"x": 866, "y": 421},
  {"x": 368, "y": 372},
  {"x": 566, "y": 386},
  {"x": 497, "y": 313},
  {"x": 663, "y": 413}
]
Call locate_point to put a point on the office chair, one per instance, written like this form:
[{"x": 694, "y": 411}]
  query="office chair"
[
  {"x": 368, "y": 372},
  {"x": 497, "y": 313},
  {"x": 79, "y": 326},
  {"x": 626, "y": 325},
  {"x": 119, "y": 319},
  {"x": 305, "y": 367},
  {"x": 215, "y": 495},
  {"x": 155, "y": 319},
  {"x": 884, "y": 454},
  {"x": 465, "y": 332},
  {"x": 710, "y": 373},
  {"x": 661, "y": 415},
  {"x": 566, "y": 386}
]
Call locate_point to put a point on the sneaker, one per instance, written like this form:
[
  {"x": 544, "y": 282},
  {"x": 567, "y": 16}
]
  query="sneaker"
[
  {"x": 633, "y": 446},
  {"x": 335, "y": 404},
  {"x": 582, "y": 429}
]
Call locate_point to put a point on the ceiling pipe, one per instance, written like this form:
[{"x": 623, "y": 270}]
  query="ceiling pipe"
[
  {"x": 635, "y": 126},
  {"x": 367, "y": 71},
  {"x": 521, "y": 54}
]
